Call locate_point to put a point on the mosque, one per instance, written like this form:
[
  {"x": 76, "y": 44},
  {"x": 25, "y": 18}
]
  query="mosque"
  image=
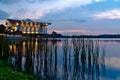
[{"x": 27, "y": 26}]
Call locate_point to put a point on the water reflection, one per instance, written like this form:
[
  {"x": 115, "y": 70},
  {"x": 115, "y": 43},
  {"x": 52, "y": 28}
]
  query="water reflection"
[
  {"x": 69, "y": 59},
  {"x": 4, "y": 49}
]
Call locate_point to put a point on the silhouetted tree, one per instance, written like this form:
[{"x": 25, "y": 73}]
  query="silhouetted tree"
[
  {"x": 2, "y": 28},
  {"x": 55, "y": 34}
]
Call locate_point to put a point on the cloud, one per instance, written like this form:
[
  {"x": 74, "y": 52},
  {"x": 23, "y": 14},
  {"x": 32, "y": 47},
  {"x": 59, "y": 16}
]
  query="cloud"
[
  {"x": 99, "y": 0},
  {"x": 3, "y": 15},
  {"x": 9, "y": 1},
  {"x": 36, "y": 9},
  {"x": 69, "y": 20},
  {"x": 110, "y": 14},
  {"x": 55, "y": 5},
  {"x": 116, "y": 0},
  {"x": 2, "y": 21},
  {"x": 70, "y": 31},
  {"x": 34, "y": 1}
]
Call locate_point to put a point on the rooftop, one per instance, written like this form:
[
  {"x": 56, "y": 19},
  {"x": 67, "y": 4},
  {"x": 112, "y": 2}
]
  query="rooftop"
[{"x": 28, "y": 20}]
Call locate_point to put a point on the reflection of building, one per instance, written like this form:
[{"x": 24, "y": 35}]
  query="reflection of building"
[{"x": 27, "y": 26}]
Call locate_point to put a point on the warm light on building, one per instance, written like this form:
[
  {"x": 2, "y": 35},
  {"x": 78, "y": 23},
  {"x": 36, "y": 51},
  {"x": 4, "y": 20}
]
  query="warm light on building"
[{"x": 27, "y": 26}]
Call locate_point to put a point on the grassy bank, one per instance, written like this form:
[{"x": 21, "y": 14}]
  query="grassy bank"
[{"x": 7, "y": 73}]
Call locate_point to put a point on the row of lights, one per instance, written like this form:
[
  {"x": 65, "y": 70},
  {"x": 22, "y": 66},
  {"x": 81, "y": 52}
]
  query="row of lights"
[
  {"x": 27, "y": 23},
  {"x": 28, "y": 30}
]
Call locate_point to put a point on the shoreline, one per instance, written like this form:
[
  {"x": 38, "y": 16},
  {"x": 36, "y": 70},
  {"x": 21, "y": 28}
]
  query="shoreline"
[
  {"x": 7, "y": 73},
  {"x": 60, "y": 36}
]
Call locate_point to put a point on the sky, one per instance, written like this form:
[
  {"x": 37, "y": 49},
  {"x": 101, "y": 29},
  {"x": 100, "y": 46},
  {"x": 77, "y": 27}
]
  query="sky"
[{"x": 69, "y": 17}]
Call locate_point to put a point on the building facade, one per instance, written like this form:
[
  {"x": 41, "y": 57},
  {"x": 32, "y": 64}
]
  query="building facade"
[{"x": 27, "y": 26}]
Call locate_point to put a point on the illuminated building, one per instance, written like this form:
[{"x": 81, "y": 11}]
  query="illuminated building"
[{"x": 27, "y": 26}]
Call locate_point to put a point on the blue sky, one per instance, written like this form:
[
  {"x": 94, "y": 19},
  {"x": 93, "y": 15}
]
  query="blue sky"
[{"x": 67, "y": 16}]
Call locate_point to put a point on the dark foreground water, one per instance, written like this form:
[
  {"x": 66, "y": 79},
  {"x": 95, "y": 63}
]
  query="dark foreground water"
[{"x": 65, "y": 59}]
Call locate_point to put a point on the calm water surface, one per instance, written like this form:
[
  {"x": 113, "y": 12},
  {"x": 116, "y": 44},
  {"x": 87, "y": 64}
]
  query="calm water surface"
[{"x": 65, "y": 59}]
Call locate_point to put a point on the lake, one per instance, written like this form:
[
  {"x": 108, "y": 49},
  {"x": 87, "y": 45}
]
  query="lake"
[{"x": 64, "y": 59}]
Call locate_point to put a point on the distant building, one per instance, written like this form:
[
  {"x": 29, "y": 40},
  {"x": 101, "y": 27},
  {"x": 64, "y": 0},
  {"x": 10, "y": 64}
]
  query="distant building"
[{"x": 27, "y": 26}]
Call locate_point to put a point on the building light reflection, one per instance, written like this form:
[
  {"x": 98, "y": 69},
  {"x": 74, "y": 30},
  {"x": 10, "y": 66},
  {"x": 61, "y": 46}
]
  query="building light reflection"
[
  {"x": 24, "y": 48},
  {"x": 10, "y": 47},
  {"x": 14, "y": 49}
]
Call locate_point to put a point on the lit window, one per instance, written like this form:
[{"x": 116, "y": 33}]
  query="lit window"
[
  {"x": 27, "y": 24},
  {"x": 17, "y": 24},
  {"x": 30, "y": 23}
]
